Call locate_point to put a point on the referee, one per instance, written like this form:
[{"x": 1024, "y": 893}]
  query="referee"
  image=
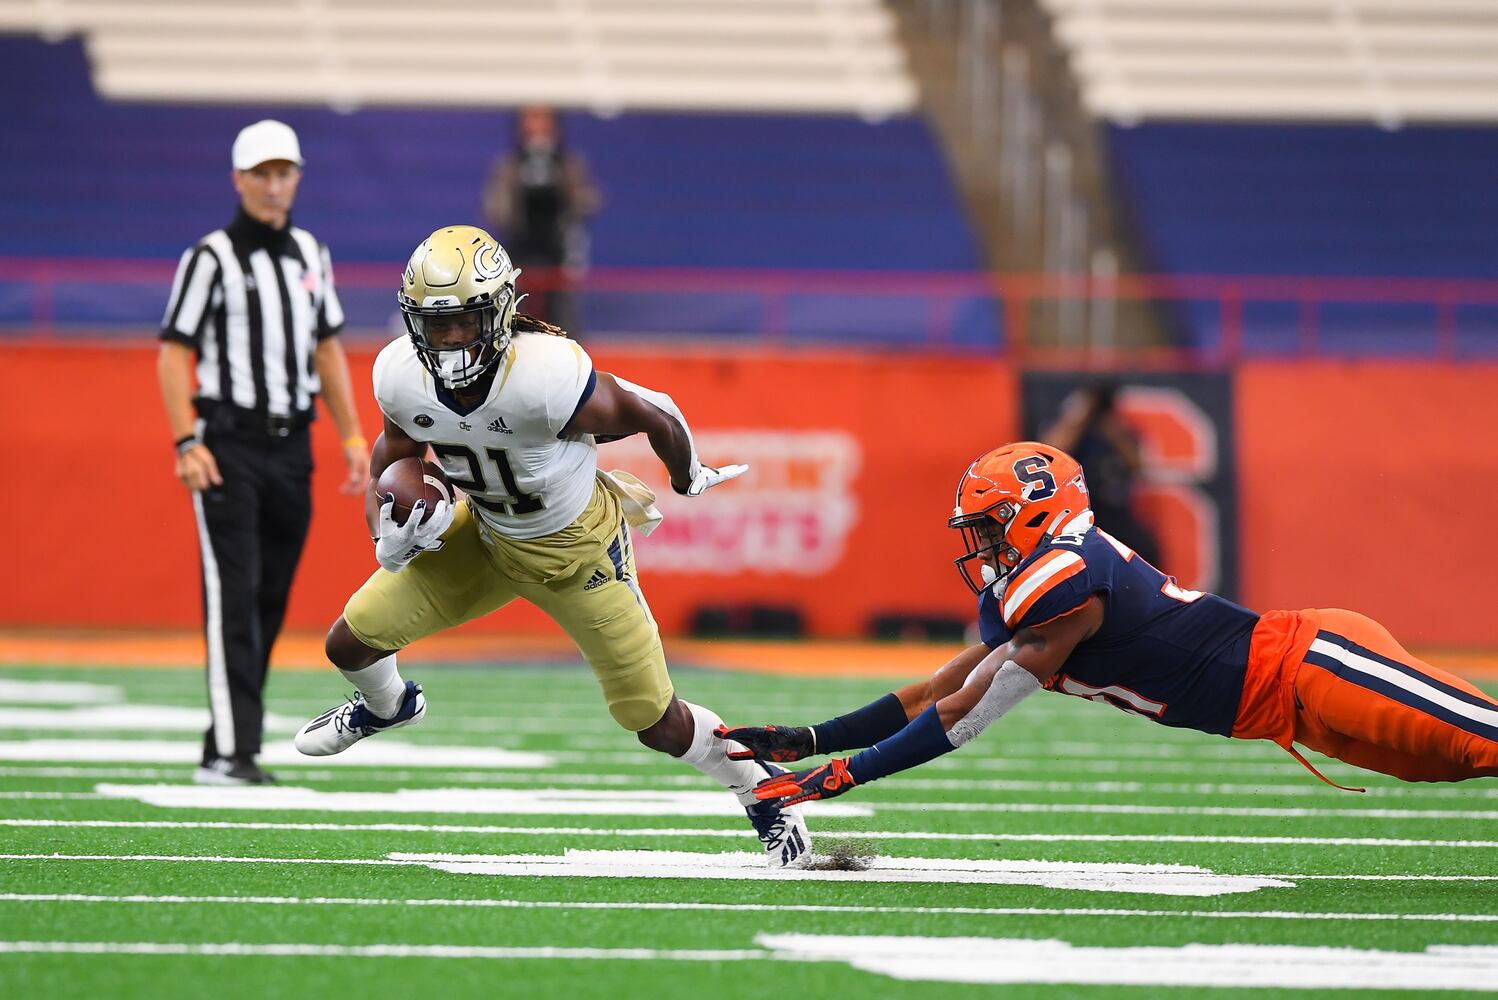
[{"x": 252, "y": 325}]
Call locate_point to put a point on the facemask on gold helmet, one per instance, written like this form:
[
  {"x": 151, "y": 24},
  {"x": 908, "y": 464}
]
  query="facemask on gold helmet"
[{"x": 458, "y": 299}]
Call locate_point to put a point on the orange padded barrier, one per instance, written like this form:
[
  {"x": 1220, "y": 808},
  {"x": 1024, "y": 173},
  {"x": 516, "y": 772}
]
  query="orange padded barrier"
[
  {"x": 854, "y": 464},
  {"x": 1372, "y": 486}
]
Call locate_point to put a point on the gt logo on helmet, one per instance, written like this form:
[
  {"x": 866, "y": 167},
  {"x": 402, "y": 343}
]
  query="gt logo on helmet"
[
  {"x": 458, "y": 300},
  {"x": 499, "y": 261}
]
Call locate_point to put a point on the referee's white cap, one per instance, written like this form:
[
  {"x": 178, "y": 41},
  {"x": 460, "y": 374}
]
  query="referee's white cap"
[{"x": 266, "y": 140}]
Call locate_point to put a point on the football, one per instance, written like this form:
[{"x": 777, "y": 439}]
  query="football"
[{"x": 410, "y": 480}]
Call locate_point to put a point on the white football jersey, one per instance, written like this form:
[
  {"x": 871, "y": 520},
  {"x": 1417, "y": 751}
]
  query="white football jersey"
[{"x": 525, "y": 481}]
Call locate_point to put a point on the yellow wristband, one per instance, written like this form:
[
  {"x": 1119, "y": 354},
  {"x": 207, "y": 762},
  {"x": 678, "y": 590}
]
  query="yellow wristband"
[{"x": 355, "y": 442}]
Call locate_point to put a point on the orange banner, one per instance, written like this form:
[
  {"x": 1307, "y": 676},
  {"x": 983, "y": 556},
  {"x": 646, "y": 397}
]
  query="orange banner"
[
  {"x": 1371, "y": 486},
  {"x": 854, "y": 460}
]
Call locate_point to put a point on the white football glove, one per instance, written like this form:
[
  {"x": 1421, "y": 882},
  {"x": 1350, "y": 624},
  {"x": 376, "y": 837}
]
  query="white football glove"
[
  {"x": 707, "y": 477},
  {"x": 398, "y": 544}
]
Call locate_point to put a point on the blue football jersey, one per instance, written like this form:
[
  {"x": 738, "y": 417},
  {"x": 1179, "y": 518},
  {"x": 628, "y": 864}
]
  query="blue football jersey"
[{"x": 1176, "y": 656}]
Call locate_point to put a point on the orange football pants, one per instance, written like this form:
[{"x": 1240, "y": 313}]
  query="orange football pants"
[{"x": 1337, "y": 682}]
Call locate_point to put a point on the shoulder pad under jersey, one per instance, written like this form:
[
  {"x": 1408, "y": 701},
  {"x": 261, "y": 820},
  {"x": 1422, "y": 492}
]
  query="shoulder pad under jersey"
[{"x": 1052, "y": 584}]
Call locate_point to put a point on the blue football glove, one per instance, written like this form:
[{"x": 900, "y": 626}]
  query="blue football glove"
[{"x": 826, "y": 782}]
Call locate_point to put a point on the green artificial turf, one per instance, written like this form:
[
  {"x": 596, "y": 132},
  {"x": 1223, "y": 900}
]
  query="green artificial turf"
[{"x": 1059, "y": 780}]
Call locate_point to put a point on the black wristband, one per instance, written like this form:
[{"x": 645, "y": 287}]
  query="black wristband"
[{"x": 186, "y": 443}]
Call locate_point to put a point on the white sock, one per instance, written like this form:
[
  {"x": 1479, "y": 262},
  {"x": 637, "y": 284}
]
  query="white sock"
[
  {"x": 707, "y": 754},
  {"x": 381, "y": 684}
]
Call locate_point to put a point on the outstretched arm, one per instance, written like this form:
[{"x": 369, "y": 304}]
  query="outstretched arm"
[
  {"x": 999, "y": 682},
  {"x": 618, "y": 408},
  {"x": 862, "y": 727}
]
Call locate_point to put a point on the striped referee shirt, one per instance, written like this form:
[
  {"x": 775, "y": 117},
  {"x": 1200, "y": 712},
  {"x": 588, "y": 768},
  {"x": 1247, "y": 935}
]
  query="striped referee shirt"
[{"x": 254, "y": 302}]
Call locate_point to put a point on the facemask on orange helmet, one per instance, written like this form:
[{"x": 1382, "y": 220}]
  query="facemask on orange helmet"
[{"x": 1010, "y": 502}]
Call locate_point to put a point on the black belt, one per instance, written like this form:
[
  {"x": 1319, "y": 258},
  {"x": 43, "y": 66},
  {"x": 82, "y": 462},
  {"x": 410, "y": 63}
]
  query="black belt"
[{"x": 223, "y": 417}]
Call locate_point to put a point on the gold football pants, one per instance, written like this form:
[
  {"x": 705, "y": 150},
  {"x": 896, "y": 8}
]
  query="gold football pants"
[{"x": 583, "y": 577}]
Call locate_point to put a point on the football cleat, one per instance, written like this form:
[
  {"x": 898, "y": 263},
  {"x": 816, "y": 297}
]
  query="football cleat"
[
  {"x": 783, "y": 831},
  {"x": 232, "y": 771},
  {"x": 339, "y": 728}
]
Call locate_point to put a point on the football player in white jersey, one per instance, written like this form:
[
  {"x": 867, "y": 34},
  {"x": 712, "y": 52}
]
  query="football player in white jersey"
[{"x": 513, "y": 410}]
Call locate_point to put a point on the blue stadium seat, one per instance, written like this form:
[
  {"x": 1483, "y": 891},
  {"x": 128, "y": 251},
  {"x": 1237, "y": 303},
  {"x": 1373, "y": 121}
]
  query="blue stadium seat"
[
  {"x": 85, "y": 177},
  {"x": 1353, "y": 201}
]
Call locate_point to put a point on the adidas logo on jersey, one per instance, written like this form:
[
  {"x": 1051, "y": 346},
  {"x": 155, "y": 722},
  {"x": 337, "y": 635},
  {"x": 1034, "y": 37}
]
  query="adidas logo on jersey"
[
  {"x": 598, "y": 579},
  {"x": 497, "y": 426}
]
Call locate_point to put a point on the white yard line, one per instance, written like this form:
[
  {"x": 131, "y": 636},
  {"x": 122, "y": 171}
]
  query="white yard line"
[
  {"x": 956, "y": 960},
  {"x": 736, "y": 907},
  {"x": 208, "y": 858},
  {"x": 369, "y": 753},
  {"x": 1163, "y": 880},
  {"x": 43, "y": 771},
  {"x": 92, "y": 719},
  {"x": 1143, "y": 810},
  {"x": 50, "y": 795},
  {"x": 738, "y": 832},
  {"x": 633, "y": 864},
  {"x": 562, "y": 801},
  {"x": 1164, "y": 747},
  {"x": 1396, "y": 878},
  {"x": 655, "y": 779},
  {"x": 57, "y": 692},
  {"x": 645, "y": 782},
  {"x": 644, "y": 802},
  {"x": 518, "y": 802},
  {"x": 964, "y": 763},
  {"x": 377, "y": 951},
  {"x": 1018, "y": 960}
]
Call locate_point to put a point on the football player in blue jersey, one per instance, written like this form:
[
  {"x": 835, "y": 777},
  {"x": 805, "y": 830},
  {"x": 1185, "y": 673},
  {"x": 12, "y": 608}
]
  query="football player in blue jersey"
[{"x": 1062, "y": 605}]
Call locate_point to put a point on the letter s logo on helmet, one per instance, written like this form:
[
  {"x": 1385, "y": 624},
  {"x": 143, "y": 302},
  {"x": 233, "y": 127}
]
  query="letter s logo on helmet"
[
  {"x": 1039, "y": 484},
  {"x": 1009, "y": 502}
]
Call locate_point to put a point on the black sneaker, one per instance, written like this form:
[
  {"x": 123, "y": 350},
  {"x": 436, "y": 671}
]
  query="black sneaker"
[{"x": 232, "y": 771}]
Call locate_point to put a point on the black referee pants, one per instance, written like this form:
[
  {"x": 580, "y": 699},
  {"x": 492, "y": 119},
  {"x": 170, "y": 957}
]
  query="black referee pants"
[{"x": 250, "y": 535}]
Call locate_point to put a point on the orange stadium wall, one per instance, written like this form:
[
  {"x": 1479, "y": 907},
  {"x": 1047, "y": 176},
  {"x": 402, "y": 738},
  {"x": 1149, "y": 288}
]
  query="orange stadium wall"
[
  {"x": 1372, "y": 486},
  {"x": 854, "y": 461},
  {"x": 1361, "y": 485}
]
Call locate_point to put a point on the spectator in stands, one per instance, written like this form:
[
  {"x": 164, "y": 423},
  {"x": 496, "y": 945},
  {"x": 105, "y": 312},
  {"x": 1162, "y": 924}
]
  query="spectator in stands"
[
  {"x": 248, "y": 344},
  {"x": 538, "y": 199},
  {"x": 1091, "y": 429}
]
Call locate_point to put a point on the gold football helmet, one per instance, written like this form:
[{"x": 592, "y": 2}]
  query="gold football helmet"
[{"x": 458, "y": 299}]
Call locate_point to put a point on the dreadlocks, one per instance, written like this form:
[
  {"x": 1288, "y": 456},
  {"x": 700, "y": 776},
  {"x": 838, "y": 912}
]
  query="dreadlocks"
[{"x": 525, "y": 323}]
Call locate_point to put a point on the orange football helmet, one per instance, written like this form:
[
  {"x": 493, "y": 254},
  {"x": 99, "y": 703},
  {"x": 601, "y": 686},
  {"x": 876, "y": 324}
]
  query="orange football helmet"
[{"x": 1010, "y": 502}]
